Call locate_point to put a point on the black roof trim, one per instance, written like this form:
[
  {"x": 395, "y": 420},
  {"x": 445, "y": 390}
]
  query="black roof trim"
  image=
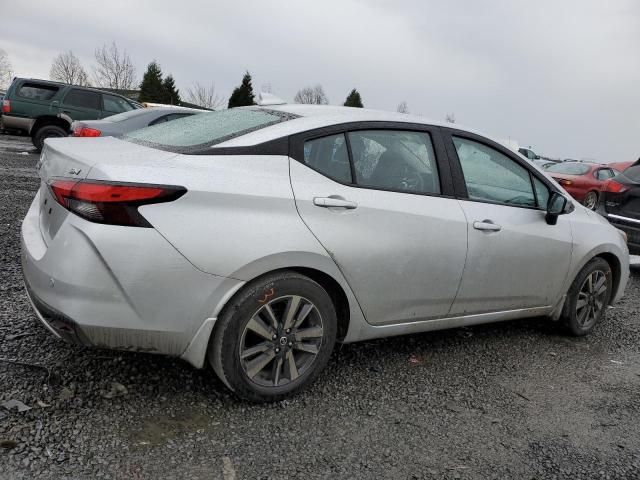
[{"x": 278, "y": 146}]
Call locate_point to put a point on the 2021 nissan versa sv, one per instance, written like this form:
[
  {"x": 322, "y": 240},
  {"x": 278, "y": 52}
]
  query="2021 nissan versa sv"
[{"x": 254, "y": 238}]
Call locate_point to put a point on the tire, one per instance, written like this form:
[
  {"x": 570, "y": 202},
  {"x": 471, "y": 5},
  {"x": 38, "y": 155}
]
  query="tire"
[
  {"x": 579, "y": 321},
  {"x": 48, "y": 131},
  {"x": 254, "y": 377},
  {"x": 591, "y": 200}
]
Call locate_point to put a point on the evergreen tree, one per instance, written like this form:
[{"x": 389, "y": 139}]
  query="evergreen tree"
[
  {"x": 353, "y": 99},
  {"x": 171, "y": 93},
  {"x": 151, "y": 88},
  {"x": 242, "y": 95}
]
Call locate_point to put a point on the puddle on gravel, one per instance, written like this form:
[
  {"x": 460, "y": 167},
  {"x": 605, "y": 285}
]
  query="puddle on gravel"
[{"x": 159, "y": 429}]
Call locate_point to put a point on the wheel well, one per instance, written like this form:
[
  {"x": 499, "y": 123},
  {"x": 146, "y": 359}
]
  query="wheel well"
[
  {"x": 49, "y": 120},
  {"x": 614, "y": 263},
  {"x": 335, "y": 291}
]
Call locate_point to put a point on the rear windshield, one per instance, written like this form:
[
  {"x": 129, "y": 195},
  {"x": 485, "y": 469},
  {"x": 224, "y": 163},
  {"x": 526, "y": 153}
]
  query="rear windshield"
[
  {"x": 189, "y": 134},
  {"x": 569, "y": 168},
  {"x": 632, "y": 173}
]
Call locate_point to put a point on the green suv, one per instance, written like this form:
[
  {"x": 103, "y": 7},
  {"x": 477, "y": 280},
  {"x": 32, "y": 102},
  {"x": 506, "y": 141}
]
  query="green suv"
[{"x": 46, "y": 109}]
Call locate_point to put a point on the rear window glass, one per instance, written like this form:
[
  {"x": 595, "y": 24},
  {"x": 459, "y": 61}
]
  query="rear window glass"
[
  {"x": 632, "y": 173},
  {"x": 569, "y": 168},
  {"x": 206, "y": 129},
  {"x": 37, "y": 91}
]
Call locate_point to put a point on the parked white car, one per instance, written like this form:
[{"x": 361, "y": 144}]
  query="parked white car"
[{"x": 254, "y": 238}]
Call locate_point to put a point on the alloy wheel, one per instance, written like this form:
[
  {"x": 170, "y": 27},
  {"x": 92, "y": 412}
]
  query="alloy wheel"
[
  {"x": 591, "y": 298},
  {"x": 281, "y": 341},
  {"x": 591, "y": 200}
]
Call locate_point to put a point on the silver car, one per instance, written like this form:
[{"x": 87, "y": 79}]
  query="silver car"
[{"x": 253, "y": 239}]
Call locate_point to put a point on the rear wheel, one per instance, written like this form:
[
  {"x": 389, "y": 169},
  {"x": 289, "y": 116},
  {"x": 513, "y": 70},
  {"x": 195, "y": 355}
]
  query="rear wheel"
[
  {"x": 588, "y": 297},
  {"x": 274, "y": 338},
  {"x": 591, "y": 200},
  {"x": 48, "y": 131}
]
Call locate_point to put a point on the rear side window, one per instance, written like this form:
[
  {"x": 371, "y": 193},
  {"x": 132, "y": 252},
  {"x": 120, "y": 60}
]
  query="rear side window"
[
  {"x": 329, "y": 156},
  {"x": 115, "y": 104},
  {"x": 492, "y": 176},
  {"x": 395, "y": 160},
  {"x": 35, "y": 91},
  {"x": 207, "y": 129},
  {"x": 83, "y": 99}
]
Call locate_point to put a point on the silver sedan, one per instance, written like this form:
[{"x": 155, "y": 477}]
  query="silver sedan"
[{"x": 253, "y": 239}]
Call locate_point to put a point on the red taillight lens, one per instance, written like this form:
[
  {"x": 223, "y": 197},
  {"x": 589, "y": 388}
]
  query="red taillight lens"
[
  {"x": 6, "y": 106},
  {"x": 111, "y": 203},
  {"x": 86, "y": 132},
  {"x": 612, "y": 186}
]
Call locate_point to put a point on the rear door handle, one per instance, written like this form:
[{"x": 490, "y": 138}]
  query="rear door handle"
[
  {"x": 334, "y": 202},
  {"x": 487, "y": 226}
]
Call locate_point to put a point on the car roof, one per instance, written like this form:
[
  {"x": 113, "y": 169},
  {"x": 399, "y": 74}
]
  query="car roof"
[
  {"x": 318, "y": 116},
  {"x": 62, "y": 84}
]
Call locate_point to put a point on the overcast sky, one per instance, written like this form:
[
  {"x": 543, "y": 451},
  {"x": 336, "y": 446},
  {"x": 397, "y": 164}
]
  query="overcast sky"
[{"x": 561, "y": 76}]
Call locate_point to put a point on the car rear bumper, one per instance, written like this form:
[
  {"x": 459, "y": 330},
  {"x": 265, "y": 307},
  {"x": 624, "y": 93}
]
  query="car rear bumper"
[
  {"x": 17, "y": 123},
  {"x": 631, "y": 227},
  {"x": 116, "y": 287}
]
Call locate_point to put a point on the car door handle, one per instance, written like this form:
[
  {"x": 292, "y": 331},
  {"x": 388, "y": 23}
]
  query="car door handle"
[
  {"x": 334, "y": 202},
  {"x": 487, "y": 226}
]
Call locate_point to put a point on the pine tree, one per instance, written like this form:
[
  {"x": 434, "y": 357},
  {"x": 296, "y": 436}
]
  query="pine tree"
[
  {"x": 353, "y": 99},
  {"x": 151, "y": 88},
  {"x": 242, "y": 95},
  {"x": 171, "y": 93}
]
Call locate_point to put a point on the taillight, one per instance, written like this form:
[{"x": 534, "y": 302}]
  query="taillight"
[
  {"x": 564, "y": 182},
  {"x": 612, "y": 186},
  {"x": 111, "y": 203},
  {"x": 86, "y": 132},
  {"x": 6, "y": 106}
]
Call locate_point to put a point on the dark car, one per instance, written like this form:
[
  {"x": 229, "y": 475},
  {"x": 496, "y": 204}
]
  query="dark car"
[
  {"x": 126, "y": 122},
  {"x": 46, "y": 109},
  {"x": 620, "y": 204},
  {"x": 583, "y": 180}
]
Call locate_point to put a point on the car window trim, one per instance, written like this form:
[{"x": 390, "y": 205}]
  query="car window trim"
[
  {"x": 458, "y": 175},
  {"x": 297, "y": 141}
]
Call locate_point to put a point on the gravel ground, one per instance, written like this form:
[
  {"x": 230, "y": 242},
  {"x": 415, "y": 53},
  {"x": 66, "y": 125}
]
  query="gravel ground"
[{"x": 508, "y": 400}]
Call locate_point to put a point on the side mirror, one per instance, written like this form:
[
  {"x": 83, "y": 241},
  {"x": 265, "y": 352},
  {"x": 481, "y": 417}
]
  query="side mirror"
[{"x": 558, "y": 205}]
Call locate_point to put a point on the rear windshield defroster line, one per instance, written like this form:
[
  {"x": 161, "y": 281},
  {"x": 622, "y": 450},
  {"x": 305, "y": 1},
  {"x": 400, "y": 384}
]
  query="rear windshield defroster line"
[{"x": 198, "y": 133}]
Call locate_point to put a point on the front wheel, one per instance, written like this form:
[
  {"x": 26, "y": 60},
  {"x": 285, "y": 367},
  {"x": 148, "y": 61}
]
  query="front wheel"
[
  {"x": 588, "y": 297},
  {"x": 274, "y": 338},
  {"x": 591, "y": 200}
]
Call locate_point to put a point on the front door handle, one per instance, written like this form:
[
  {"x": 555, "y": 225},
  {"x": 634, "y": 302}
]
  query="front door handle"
[
  {"x": 334, "y": 202},
  {"x": 487, "y": 226}
]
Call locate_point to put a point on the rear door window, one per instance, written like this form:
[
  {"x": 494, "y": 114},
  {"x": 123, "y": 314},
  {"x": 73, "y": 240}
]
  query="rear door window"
[
  {"x": 37, "y": 91},
  {"x": 83, "y": 99},
  {"x": 329, "y": 156}
]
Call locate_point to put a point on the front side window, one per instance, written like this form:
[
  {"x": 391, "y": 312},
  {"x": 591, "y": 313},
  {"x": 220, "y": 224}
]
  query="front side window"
[
  {"x": 35, "y": 91},
  {"x": 492, "y": 176},
  {"x": 115, "y": 104},
  {"x": 329, "y": 156},
  {"x": 206, "y": 129},
  {"x": 83, "y": 99},
  {"x": 395, "y": 160}
]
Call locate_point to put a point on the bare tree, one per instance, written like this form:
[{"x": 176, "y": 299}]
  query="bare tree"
[
  {"x": 450, "y": 118},
  {"x": 402, "y": 107},
  {"x": 311, "y": 95},
  {"x": 114, "y": 69},
  {"x": 66, "y": 68},
  {"x": 5, "y": 69},
  {"x": 204, "y": 96}
]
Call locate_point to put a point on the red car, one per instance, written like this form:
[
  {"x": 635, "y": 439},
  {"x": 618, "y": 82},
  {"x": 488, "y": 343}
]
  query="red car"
[{"x": 584, "y": 181}]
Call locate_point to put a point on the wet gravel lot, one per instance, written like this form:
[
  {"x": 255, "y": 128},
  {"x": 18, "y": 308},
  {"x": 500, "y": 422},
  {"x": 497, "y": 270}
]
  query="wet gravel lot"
[{"x": 509, "y": 400}]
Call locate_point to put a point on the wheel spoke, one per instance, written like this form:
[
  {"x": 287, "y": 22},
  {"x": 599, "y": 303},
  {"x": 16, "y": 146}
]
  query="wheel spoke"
[
  {"x": 290, "y": 312},
  {"x": 590, "y": 283},
  {"x": 250, "y": 352},
  {"x": 257, "y": 326},
  {"x": 271, "y": 316},
  {"x": 312, "y": 332},
  {"x": 583, "y": 315},
  {"x": 307, "y": 347},
  {"x": 582, "y": 301},
  {"x": 256, "y": 365},
  {"x": 291, "y": 365},
  {"x": 277, "y": 371},
  {"x": 304, "y": 313}
]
